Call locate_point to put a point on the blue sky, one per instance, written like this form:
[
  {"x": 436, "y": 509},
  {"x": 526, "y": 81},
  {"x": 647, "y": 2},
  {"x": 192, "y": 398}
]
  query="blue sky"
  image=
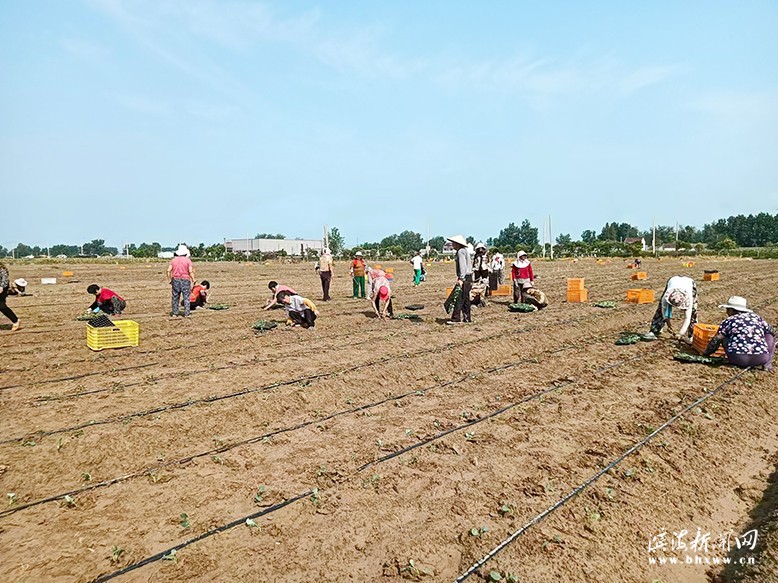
[{"x": 195, "y": 120}]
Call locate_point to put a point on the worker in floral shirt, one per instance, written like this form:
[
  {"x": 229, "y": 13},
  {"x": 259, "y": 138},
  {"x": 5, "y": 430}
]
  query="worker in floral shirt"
[{"x": 749, "y": 341}]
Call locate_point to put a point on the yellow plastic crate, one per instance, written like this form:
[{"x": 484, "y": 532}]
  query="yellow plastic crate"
[{"x": 124, "y": 333}]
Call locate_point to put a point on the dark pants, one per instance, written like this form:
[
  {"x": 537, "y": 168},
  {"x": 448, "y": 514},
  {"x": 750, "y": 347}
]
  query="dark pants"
[
  {"x": 182, "y": 289},
  {"x": 389, "y": 309},
  {"x": 5, "y": 310},
  {"x": 306, "y": 318},
  {"x": 518, "y": 292},
  {"x": 326, "y": 276},
  {"x": 462, "y": 307},
  {"x": 198, "y": 303},
  {"x": 658, "y": 321},
  {"x": 113, "y": 306},
  {"x": 746, "y": 360}
]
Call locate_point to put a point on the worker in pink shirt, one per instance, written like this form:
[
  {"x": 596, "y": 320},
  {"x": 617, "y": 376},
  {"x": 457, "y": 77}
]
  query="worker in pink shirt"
[
  {"x": 277, "y": 288},
  {"x": 180, "y": 274}
]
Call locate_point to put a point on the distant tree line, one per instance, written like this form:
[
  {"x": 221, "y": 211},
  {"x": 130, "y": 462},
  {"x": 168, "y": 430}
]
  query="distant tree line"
[{"x": 739, "y": 231}]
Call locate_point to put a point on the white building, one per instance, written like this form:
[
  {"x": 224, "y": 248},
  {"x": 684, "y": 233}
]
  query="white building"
[{"x": 296, "y": 247}]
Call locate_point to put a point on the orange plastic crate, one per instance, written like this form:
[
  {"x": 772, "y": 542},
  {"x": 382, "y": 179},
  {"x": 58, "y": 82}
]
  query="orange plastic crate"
[
  {"x": 575, "y": 284},
  {"x": 640, "y": 296},
  {"x": 577, "y": 296},
  {"x": 702, "y": 334},
  {"x": 640, "y": 275},
  {"x": 711, "y": 277},
  {"x": 503, "y": 290}
]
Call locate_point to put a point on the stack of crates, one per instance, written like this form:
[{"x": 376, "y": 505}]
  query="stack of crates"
[
  {"x": 640, "y": 296},
  {"x": 576, "y": 292},
  {"x": 640, "y": 275},
  {"x": 122, "y": 333},
  {"x": 390, "y": 273},
  {"x": 701, "y": 336}
]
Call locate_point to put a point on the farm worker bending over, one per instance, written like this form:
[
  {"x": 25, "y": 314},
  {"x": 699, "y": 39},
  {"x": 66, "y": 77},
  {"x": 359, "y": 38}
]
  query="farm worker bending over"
[
  {"x": 372, "y": 274},
  {"x": 325, "y": 273},
  {"x": 106, "y": 300},
  {"x": 199, "y": 295},
  {"x": 180, "y": 274},
  {"x": 381, "y": 291},
  {"x": 5, "y": 285},
  {"x": 521, "y": 273},
  {"x": 358, "y": 275},
  {"x": 418, "y": 264},
  {"x": 276, "y": 288},
  {"x": 464, "y": 266},
  {"x": 748, "y": 339},
  {"x": 300, "y": 311},
  {"x": 534, "y": 297},
  {"x": 17, "y": 287},
  {"x": 680, "y": 292}
]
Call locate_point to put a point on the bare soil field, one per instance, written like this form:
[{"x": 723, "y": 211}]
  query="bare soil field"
[{"x": 367, "y": 450}]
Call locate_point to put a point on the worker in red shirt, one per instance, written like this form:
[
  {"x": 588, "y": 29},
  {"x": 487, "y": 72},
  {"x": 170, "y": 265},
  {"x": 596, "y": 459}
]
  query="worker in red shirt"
[
  {"x": 522, "y": 276},
  {"x": 199, "y": 295},
  {"x": 106, "y": 300}
]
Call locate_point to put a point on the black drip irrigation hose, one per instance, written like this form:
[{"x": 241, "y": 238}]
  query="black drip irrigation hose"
[
  {"x": 80, "y": 376},
  {"x": 589, "y": 481},
  {"x": 257, "y": 438},
  {"x": 310, "y": 492},
  {"x": 309, "y": 378}
]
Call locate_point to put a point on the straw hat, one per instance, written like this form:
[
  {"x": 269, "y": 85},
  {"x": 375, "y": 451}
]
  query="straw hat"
[
  {"x": 736, "y": 303},
  {"x": 459, "y": 240},
  {"x": 358, "y": 254},
  {"x": 20, "y": 282},
  {"x": 182, "y": 251}
]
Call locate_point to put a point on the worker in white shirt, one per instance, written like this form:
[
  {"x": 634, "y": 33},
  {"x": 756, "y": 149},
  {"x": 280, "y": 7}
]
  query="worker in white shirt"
[
  {"x": 417, "y": 263},
  {"x": 680, "y": 292}
]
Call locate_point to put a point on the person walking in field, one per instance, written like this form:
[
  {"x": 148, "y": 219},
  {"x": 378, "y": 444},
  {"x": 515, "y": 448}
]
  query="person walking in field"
[
  {"x": 277, "y": 288},
  {"x": 464, "y": 269},
  {"x": 521, "y": 273},
  {"x": 106, "y": 300},
  {"x": 300, "y": 311},
  {"x": 180, "y": 275},
  {"x": 358, "y": 275},
  {"x": 680, "y": 292},
  {"x": 5, "y": 285},
  {"x": 749, "y": 341},
  {"x": 418, "y": 265},
  {"x": 325, "y": 273}
]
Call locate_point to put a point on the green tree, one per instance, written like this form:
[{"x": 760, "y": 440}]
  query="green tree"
[
  {"x": 22, "y": 250},
  {"x": 3, "y": 251},
  {"x": 564, "y": 240},
  {"x": 437, "y": 243},
  {"x": 528, "y": 235},
  {"x": 588, "y": 236},
  {"x": 269, "y": 236},
  {"x": 95, "y": 247},
  {"x": 336, "y": 241},
  {"x": 62, "y": 249},
  {"x": 509, "y": 237}
]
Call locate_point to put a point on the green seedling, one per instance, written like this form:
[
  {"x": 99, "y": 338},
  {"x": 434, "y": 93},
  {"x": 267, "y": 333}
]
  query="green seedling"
[
  {"x": 59, "y": 444},
  {"x": 415, "y": 572},
  {"x": 506, "y": 510},
  {"x": 251, "y": 524},
  {"x": 11, "y": 498},
  {"x": 260, "y": 495},
  {"x": 477, "y": 532},
  {"x": 610, "y": 493},
  {"x": 69, "y": 501},
  {"x": 315, "y": 498},
  {"x": 217, "y": 459},
  {"x": 470, "y": 436},
  {"x": 185, "y": 520},
  {"x": 86, "y": 477},
  {"x": 116, "y": 553},
  {"x": 629, "y": 472},
  {"x": 409, "y": 432},
  {"x": 495, "y": 576},
  {"x": 511, "y": 578},
  {"x": 171, "y": 556}
]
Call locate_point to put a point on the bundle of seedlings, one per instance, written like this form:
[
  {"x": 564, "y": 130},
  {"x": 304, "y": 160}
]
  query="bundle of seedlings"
[
  {"x": 521, "y": 308},
  {"x": 411, "y": 317},
  {"x": 605, "y": 304},
  {"x": 264, "y": 325},
  {"x": 699, "y": 359},
  {"x": 628, "y": 338},
  {"x": 218, "y": 306}
]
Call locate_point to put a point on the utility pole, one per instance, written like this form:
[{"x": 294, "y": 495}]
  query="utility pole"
[
  {"x": 653, "y": 238},
  {"x": 551, "y": 238}
]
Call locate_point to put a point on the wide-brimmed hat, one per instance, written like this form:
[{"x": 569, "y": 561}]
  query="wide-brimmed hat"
[
  {"x": 20, "y": 282},
  {"x": 182, "y": 251},
  {"x": 679, "y": 298},
  {"x": 459, "y": 240},
  {"x": 358, "y": 254},
  {"x": 521, "y": 254},
  {"x": 736, "y": 303},
  {"x": 480, "y": 245}
]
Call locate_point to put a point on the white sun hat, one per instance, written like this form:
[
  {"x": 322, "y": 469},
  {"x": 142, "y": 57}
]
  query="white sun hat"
[
  {"x": 20, "y": 282},
  {"x": 182, "y": 251},
  {"x": 459, "y": 240},
  {"x": 358, "y": 253},
  {"x": 480, "y": 245},
  {"x": 521, "y": 254},
  {"x": 736, "y": 303}
]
